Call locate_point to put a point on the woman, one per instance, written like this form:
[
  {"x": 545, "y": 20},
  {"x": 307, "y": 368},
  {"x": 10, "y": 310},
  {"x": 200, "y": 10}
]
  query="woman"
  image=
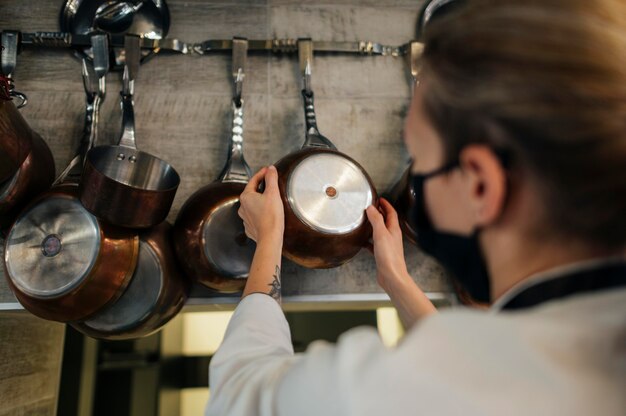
[{"x": 517, "y": 130}]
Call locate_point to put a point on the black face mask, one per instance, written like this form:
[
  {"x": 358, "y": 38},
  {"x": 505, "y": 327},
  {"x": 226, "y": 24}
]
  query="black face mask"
[{"x": 460, "y": 255}]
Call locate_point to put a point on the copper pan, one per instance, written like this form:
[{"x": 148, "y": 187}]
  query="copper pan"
[
  {"x": 324, "y": 192},
  {"x": 403, "y": 200},
  {"x": 15, "y": 138},
  {"x": 209, "y": 236},
  {"x": 15, "y": 135},
  {"x": 121, "y": 184},
  {"x": 26, "y": 163},
  {"x": 34, "y": 176},
  {"x": 62, "y": 263},
  {"x": 156, "y": 293}
]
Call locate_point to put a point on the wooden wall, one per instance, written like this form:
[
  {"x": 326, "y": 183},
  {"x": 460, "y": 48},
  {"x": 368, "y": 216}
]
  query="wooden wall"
[{"x": 183, "y": 102}]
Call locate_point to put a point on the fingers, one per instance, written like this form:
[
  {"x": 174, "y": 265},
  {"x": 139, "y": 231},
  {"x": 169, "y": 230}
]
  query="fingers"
[
  {"x": 271, "y": 180},
  {"x": 254, "y": 182},
  {"x": 390, "y": 214}
]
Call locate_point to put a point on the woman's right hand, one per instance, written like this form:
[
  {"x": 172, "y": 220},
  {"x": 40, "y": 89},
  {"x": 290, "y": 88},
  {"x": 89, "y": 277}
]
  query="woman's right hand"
[
  {"x": 388, "y": 248},
  {"x": 410, "y": 302}
]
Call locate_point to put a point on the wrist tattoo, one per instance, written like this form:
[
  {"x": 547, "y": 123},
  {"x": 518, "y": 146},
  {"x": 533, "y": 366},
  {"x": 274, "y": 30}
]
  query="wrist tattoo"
[{"x": 275, "y": 286}]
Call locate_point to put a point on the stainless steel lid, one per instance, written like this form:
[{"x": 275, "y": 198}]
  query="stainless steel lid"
[
  {"x": 329, "y": 193},
  {"x": 52, "y": 247},
  {"x": 139, "y": 298},
  {"x": 226, "y": 245}
]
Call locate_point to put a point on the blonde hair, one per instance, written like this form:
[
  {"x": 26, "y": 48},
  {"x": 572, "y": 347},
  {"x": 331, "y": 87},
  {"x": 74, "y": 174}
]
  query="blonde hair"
[{"x": 545, "y": 82}]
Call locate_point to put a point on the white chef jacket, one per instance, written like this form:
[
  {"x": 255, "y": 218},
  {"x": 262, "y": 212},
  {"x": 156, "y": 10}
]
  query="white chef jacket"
[{"x": 565, "y": 356}]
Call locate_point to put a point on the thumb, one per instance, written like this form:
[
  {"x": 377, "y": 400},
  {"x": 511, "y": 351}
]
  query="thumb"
[{"x": 271, "y": 180}]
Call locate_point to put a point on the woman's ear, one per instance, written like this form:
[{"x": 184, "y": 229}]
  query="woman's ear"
[{"x": 487, "y": 183}]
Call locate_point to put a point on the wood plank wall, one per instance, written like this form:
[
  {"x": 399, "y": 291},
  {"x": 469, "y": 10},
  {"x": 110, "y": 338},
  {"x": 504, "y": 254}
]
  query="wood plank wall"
[{"x": 183, "y": 103}]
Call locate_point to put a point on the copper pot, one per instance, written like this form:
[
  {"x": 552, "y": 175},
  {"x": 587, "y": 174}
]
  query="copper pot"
[
  {"x": 324, "y": 192},
  {"x": 15, "y": 139},
  {"x": 209, "y": 237},
  {"x": 62, "y": 263},
  {"x": 317, "y": 235},
  {"x": 121, "y": 184},
  {"x": 34, "y": 176},
  {"x": 156, "y": 293}
]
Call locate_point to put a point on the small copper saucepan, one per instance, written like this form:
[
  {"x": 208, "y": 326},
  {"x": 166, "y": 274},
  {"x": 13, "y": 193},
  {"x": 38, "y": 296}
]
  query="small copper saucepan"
[
  {"x": 324, "y": 192},
  {"x": 121, "y": 184},
  {"x": 26, "y": 163},
  {"x": 62, "y": 263},
  {"x": 209, "y": 236},
  {"x": 156, "y": 293}
]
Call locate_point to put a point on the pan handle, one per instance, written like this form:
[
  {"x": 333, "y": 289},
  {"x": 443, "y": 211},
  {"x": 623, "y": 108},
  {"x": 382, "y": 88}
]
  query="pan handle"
[
  {"x": 236, "y": 169},
  {"x": 94, "y": 83},
  {"x": 74, "y": 170},
  {"x": 313, "y": 136},
  {"x": 128, "y": 122},
  {"x": 131, "y": 68}
]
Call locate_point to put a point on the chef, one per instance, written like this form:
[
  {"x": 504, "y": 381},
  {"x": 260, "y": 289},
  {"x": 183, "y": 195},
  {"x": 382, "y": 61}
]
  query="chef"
[{"x": 517, "y": 132}]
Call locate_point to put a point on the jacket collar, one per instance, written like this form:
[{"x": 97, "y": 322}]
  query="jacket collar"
[{"x": 561, "y": 282}]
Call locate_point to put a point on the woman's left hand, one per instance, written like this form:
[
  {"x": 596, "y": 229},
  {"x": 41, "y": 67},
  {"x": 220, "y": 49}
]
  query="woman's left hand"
[{"x": 263, "y": 214}]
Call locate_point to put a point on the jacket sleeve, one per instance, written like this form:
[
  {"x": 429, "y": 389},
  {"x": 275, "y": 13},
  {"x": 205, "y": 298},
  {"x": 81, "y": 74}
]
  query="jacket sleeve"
[{"x": 255, "y": 372}]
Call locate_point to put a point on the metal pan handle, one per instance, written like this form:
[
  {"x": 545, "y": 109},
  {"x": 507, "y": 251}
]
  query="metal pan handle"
[
  {"x": 236, "y": 169},
  {"x": 131, "y": 68},
  {"x": 313, "y": 136},
  {"x": 95, "y": 90}
]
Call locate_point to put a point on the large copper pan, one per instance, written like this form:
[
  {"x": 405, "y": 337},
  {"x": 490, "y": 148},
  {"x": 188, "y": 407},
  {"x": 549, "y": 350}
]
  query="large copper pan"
[
  {"x": 209, "y": 236},
  {"x": 63, "y": 263},
  {"x": 324, "y": 192},
  {"x": 156, "y": 293}
]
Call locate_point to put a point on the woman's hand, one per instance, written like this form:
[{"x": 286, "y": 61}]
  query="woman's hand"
[
  {"x": 263, "y": 214},
  {"x": 410, "y": 302},
  {"x": 388, "y": 248}
]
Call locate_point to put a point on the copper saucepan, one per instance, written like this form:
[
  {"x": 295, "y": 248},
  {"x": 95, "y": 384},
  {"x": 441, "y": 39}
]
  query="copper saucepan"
[
  {"x": 209, "y": 236},
  {"x": 324, "y": 192},
  {"x": 121, "y": 184},
  {"x": 21, "y": 147},
  {"x": 156, "y": 293},
  {"x": 61, "y": 262}
]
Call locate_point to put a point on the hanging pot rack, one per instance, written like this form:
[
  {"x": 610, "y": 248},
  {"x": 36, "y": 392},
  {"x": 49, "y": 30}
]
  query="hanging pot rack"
[{"x": 175, "y": 46}]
